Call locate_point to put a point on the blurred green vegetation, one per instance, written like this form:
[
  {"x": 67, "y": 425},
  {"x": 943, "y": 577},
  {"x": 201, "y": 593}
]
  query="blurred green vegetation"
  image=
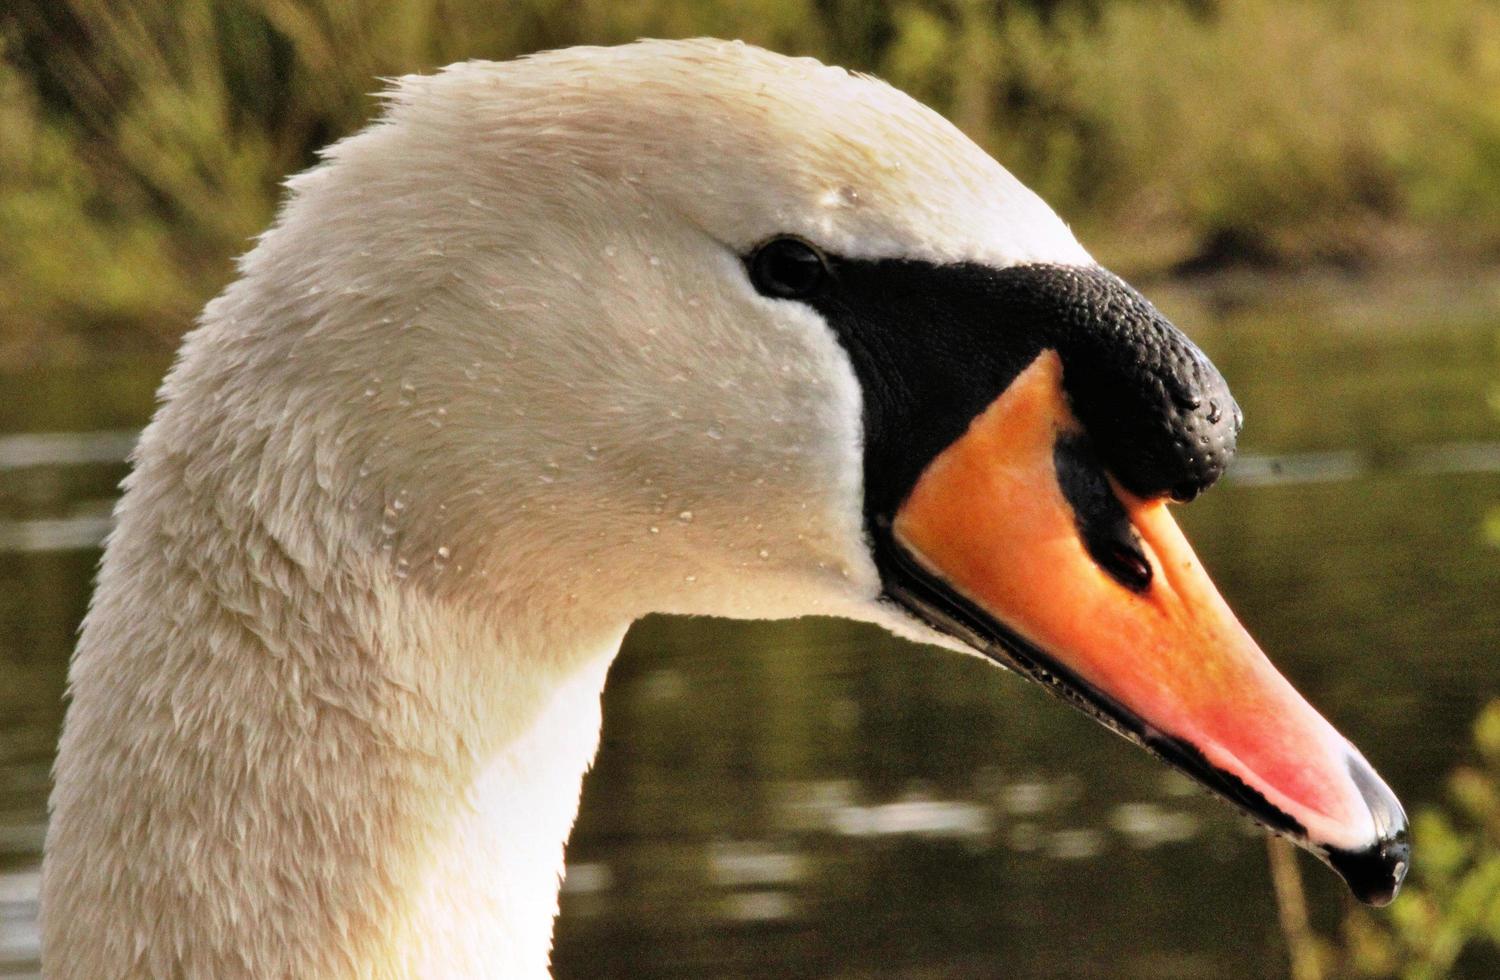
[{"x": 144, "y": 143}]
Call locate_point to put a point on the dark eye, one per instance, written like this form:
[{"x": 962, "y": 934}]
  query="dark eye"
[{"x": 788, "y": 268}]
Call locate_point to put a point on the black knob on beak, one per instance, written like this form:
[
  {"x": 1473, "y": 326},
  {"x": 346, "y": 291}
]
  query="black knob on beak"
[{"x": 1156, "y": 409}]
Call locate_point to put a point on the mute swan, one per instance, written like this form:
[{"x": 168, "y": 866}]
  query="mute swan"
[{"x": 677, "y": 326}]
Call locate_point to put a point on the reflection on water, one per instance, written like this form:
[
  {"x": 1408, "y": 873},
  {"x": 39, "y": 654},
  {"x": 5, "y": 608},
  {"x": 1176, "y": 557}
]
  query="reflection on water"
[
  {"x": 818, "y": 799},
  {"x": 18, "y": 452}
]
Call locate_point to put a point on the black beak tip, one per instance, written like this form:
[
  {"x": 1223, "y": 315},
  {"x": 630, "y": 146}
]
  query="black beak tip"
[{"x": 1375, "y": 873}]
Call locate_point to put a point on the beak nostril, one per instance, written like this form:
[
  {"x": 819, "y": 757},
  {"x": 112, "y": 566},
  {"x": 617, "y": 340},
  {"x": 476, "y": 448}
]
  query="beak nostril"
[
  {"x": 1129, "y": 566},
  {"x": 1102, "y": 523}
]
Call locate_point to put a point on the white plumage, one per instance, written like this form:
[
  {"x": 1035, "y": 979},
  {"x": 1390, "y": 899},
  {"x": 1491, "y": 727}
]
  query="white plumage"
[{"x": 493, "y": 386}]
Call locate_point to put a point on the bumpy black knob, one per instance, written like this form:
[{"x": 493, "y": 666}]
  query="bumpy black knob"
[{"x": 1158, "y": 412}]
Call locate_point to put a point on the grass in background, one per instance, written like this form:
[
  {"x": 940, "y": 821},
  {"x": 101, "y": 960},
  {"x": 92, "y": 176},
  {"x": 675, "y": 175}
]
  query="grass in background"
[{"x": 144, "y": 144}]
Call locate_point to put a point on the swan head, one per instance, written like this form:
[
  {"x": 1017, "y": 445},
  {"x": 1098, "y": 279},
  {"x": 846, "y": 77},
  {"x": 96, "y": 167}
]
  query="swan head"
[{"x": 692, "y": 327}]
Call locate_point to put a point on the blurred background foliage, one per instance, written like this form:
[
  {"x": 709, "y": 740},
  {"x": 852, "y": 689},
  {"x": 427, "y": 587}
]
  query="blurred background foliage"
[{"x": 144, "y": 143}]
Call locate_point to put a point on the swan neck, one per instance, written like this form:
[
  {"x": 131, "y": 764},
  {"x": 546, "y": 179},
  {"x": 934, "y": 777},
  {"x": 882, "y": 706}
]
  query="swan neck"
[{"x": 281, "y": 765}]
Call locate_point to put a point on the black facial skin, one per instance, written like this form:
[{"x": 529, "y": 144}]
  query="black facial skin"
[{"x": 934, "y": 345}]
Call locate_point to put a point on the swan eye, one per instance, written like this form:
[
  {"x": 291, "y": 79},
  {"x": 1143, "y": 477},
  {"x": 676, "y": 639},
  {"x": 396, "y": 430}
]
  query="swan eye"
[{"x": 788, "y": 268}]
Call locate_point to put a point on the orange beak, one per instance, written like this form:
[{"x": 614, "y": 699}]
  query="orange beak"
[{"x": 1133, "y": 628}]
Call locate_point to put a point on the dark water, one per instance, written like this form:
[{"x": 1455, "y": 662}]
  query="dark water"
[{"x": 815, "y": 798}]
